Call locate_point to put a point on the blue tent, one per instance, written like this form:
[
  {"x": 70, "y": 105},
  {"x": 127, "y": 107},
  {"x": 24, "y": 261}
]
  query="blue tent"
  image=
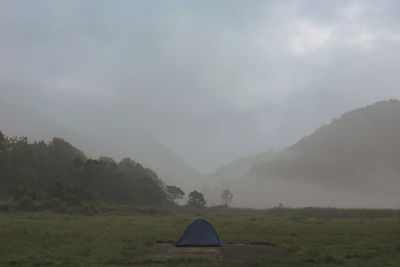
[{"x": 200, "y": 233}]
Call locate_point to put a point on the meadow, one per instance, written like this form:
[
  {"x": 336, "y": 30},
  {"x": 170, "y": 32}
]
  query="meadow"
[{"x": 325, "y": 237}]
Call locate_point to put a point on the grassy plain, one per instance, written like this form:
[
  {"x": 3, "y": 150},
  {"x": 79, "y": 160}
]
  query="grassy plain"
[{"x": 117, "y": 239}]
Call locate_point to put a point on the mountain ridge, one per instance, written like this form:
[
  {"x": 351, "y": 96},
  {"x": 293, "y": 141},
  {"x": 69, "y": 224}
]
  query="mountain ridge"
[
  {"x": 352, "y": 161},
  {"x": 138, "y": 145},
  {"x": 360, "y": 142}
]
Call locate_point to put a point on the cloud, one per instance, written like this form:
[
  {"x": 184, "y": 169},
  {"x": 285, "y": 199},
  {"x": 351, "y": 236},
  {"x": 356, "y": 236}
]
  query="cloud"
[
  {"x": 82, "y": 88},
  {"x": 213, "y": 81},
  {"x": 308, "y": 37}
]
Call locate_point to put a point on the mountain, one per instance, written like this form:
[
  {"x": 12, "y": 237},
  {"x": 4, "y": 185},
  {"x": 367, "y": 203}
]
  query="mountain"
[
  {"x": 225, "y": 176},
  {"x": 109, "y": 139},
  {"x": 133, "y": 142},
  {"x": 359, "y": 147},
  {"x": 241, "y": 166},
  {"x": 19, "y": 121},
  {"x": 353, "y": 161}
]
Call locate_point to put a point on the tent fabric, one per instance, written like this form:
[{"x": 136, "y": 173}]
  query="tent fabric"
[{"x": 200, "y": 233}]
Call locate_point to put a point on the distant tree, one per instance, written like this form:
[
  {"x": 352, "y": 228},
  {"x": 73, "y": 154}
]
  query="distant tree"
[
  {"x": 3, "y": 158},
  {"x": 196, "y": 199},
  {"x": 61, "y": 159},
  {"x": 56, "y": 190},
  {"x": 130, "y": 167},
  {"x": 108, "y": 162},
  {"x": 148, "y": 191},
  {"x": 144, "y": 185},
  {"x": 2, "y": 143},
  {"x": 174, "y": 193},
  {"x": 226, "y": 197}
]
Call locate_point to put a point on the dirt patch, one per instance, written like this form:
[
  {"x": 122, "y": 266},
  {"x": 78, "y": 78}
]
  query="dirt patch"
[
  {"x": 241, "y": 252},
  {"x": 254, "y": 252}
]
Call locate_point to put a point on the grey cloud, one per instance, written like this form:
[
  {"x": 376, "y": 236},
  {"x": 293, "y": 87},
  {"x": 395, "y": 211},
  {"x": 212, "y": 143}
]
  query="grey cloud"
[{"x": 212, "y": 80}]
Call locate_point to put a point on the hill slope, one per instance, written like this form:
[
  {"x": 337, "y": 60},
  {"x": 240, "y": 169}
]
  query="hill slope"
[
  {"x": 130, "y": 142},
  {"x": 353, "y": 161},
  {"x": 361, "y": 146}
]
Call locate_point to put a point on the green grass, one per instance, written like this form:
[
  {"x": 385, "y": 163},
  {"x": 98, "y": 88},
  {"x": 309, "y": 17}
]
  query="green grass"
[{"x": 54, "y": 239}]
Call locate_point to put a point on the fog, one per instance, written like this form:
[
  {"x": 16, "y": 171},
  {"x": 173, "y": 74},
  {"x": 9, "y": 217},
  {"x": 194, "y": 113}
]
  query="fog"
[{"x": 186, "y": 87}]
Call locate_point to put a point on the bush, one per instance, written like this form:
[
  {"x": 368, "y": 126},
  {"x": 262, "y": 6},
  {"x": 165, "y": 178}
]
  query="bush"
[
  {"x": 6, "y": 205},
  {"x": 25, "y": 203}
]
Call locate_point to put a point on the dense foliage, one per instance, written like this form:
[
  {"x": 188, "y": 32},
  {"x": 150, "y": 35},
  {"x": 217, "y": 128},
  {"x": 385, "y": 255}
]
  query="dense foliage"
[
  {"x": 196, "y": 199},
  {"x": 58, "y": 171}
]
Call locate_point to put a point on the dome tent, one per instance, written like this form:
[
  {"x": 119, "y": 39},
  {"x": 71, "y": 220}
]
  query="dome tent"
[{"x": 199, "y": 233}]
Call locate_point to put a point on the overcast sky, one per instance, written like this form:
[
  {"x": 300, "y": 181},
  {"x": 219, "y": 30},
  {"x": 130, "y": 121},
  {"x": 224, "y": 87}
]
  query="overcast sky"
[{"x": 212, "y": 80}]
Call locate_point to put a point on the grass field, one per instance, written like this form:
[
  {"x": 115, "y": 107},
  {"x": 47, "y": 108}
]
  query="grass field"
[{"x": 55, "y": 239}]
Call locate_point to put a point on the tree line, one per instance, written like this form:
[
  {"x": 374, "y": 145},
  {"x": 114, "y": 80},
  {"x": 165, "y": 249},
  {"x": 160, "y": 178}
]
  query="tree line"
[
  {"x": 58, "y": 170},
  {"x": 38, "y": 175}
]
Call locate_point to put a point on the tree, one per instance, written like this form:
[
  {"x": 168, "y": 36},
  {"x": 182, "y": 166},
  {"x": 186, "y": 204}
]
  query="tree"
[
  {"x": 2, "y": 143},
  {"x": 56, "y": 190},
  {"x": 196, "y": 199},
  {"x": 226, "y": 197},
  {"x": 108, "y": 162},
  {"x": 3, "y": 157},
  {"x": 59, "y": 170},
  {"x": 174, "y": 193}
]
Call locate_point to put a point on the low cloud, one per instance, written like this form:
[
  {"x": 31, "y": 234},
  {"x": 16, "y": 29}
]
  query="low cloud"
[{"x": 212, "y": 81}]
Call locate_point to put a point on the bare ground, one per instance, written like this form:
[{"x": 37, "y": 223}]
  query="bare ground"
[{"x": 241, "y": 252}]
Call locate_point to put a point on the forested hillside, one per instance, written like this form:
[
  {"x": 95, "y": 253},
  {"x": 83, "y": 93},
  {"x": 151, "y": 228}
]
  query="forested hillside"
[
  {"x": 360, "y": 148},
  {"x": 354, "y": 161},
  {"x": 43, "y": 171}
]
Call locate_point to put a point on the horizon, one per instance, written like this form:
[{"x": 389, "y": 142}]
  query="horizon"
[{"x": 33, "y": 139}]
